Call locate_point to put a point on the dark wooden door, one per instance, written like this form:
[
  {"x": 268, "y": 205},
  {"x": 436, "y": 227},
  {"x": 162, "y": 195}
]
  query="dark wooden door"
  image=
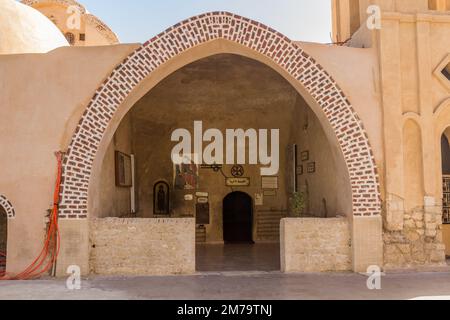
[{"x": 237, "y": 218}]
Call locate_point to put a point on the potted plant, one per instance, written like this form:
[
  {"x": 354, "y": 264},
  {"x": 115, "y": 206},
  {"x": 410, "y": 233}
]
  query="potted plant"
[{"x": 297, "y": 204}]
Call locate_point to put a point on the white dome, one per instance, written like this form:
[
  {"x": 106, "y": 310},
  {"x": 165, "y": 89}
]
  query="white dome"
[{"x": 26, "y": 30}]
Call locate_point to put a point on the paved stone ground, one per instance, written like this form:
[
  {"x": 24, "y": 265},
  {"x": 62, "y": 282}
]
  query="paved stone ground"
[
  {"x": 243, "y": 257},
  {"x": 236, "y": 286}
]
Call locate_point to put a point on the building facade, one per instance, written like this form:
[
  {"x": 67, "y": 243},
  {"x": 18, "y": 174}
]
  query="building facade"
[{"x": 363, "y": 158}]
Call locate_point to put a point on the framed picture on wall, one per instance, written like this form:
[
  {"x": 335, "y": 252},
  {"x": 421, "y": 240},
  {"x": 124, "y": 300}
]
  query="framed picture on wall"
[
  {"x": 186, "y": 174},
  {"x": 304, "y": 156},
  {"x": 311, "y": 167},
  {"x": 123, "y": 170}
]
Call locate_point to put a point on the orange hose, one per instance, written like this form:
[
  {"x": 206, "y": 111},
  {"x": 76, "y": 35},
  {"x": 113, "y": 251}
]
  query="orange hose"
[{"x": 51, "y": 246}]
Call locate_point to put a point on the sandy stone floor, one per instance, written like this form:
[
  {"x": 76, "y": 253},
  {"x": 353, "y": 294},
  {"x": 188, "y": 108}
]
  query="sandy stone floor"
[
  {"x": 236, "y": 286},
  {"x": 241, "y": 257}
]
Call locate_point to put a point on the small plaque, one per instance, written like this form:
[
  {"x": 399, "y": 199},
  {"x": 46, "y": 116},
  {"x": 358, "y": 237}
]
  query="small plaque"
[
  {"x": 300, "y": 170},
  {"x": 188, "y": 197},
  {"x": 202, "y": 213},
  {"x": 304, "y": 156},
  {"x": 259, "y": 199},
  {"x": 238, "y": 182},
  {"x": 270, "y": 193},
  {"x": 311, "y": 167},
  {"x": 269, "y": 182},
  {"x": 202, "y": 200},
  {"x": 202, "y": 194}
]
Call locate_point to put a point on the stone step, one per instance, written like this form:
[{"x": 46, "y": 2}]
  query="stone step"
[{"x": 200, "y": 234}]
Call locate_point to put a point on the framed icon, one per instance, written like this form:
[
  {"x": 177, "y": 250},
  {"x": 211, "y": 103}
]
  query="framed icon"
[
  {"x": 304, "y": 156},
  {"x": 123, "y": 170},
  {"x": 311, "y": 167}
]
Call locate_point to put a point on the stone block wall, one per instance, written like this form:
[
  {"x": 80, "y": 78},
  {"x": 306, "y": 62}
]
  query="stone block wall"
[
  {"x": 417, "y": 241},
  {"x": 315, "y": 245},
  {"x": 142, "y": 246}
]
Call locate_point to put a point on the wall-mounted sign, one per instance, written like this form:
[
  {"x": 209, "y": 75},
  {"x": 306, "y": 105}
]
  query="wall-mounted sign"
[
  {"x": 259, "y": 199},
  {"x": 202, "y": 213},
  {"x": 238, "y": 182},
  {"x": 202, "y": 194},
  {"x": 311, "y": 167},
  {"x": 188, "y": 197},
  {"x": 270, "y": 193},
  {"x": 202, "y": 200},
  {"x": 269, "y": 182},
  {"x": 300, "y": 170},
  {"x": 304, "y": 156}
]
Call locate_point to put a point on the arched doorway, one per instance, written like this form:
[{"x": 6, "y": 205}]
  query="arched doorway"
[
  {"x": 445, "y": 156},
  {"x": 195, "y": 39},
  {"x": 3, "y": 240},
  {"x": 237, "y": 218},
  {"x": 138, "y": 72}
]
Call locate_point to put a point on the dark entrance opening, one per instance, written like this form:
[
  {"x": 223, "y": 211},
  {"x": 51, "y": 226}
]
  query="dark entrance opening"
[
  {"x": 445, "y": 149},
  {"x": 237, "y": 218},
  {"x": 3, "y": 240}
]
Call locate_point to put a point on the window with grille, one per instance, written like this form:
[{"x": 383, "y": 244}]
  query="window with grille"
[
  {"x": 70, "y": 38},
  {"x": 446, "y": 200}
]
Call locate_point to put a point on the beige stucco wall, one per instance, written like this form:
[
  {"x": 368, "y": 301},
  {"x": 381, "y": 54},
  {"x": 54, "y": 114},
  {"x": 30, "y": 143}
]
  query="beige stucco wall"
[
  {"x": 359, "y": 84},
  {"x": 411, "y": 47},
  {"x": 142, "y": 246},
  {"x": 315, "y": 245},
  {"x": 42, "y": 99},
  {"x": 56, "y": 88},
  {"x": 110, "y": 200},
  {"x": 327, "y": 191}
]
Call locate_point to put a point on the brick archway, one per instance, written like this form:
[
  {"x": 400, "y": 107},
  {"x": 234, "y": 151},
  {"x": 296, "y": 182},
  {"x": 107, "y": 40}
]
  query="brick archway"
[
  {"x": 344, "y": 121},
  {"x": 7, "y": 207}
]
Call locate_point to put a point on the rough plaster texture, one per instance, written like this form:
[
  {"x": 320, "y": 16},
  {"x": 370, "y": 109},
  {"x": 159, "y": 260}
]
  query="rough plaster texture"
[
  {"x": 315, "y": 245},
  {"x": 142, "y": 246},
  {"x": 74, "y": 249},
  {"x": 367, "y": 243},
  {"x": 419, "y": 243}
]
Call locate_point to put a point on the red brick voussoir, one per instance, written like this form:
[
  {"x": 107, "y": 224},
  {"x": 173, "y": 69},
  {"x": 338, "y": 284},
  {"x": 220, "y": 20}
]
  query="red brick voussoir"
[{"x": 195, "y": 31}]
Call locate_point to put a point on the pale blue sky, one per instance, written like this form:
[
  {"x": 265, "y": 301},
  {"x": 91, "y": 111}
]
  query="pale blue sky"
[{"x": 139, "y": 20}]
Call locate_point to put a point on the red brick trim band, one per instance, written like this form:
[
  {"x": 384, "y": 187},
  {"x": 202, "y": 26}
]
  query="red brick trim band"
[
  {"x": 8, "y": 207},
  {"x": 286, "y": 54}
]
